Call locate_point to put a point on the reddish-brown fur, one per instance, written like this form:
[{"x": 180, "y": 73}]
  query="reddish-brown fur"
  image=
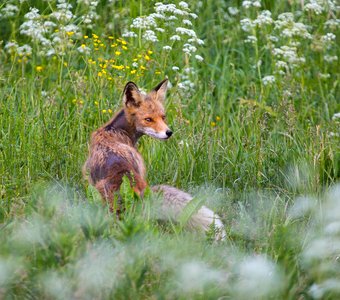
[{"x": 113, "y": 151}]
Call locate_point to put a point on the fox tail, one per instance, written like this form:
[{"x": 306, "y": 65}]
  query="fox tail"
[{"x": 176, "y": 202}]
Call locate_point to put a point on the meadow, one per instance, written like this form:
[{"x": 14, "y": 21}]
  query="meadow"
[{"x": 254, "y": 104}]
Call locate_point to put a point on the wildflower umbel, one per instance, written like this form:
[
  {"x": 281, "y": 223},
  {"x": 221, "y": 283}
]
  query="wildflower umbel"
[{"x": 168, "y": 15}]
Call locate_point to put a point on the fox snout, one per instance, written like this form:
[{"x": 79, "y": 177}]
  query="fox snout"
[{"x": 168, "y": 133}]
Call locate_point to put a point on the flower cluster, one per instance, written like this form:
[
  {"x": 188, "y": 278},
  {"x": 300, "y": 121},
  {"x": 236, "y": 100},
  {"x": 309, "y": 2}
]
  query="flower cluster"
[
  {"x": 171, "y": 25},
  {"x": 284, "y": 36},
  {"x": 8, "y": 11},
  {"x": 160, "y": 26},
  {"x": 111, "y": 58},
  {"x": 54, "y": 33}
]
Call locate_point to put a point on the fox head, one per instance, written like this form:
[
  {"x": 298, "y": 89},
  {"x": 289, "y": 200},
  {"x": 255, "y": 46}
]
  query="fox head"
[{"x": 145, "y": 111}]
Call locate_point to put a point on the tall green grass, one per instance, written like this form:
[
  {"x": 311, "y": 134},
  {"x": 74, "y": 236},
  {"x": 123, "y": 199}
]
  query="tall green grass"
[{"x": 265, "y": 157}]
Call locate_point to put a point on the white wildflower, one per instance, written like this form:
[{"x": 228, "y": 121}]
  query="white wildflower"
[
  {"x": 329, "y": 37},
  {"x": 8, "y": 11},
  {"x": 268, "y": 80},
  {"x": 336, "y": 116},
  {"x": 183, "y": 5},
  {"x": 247, "y": 24},
  {"x": 330, "y": 58},
  {"x": 33, "y": 14},
  {"x": 64, "y": 6},
  {"x": 188, "y": 49},
  {"x": 167, "y": 48},
  {"x": 183, "y": 31},
  {"x": 172, "y": 18},
  {"x": 84, "y": 49},
  {"x": 199, "y": 57},
  {"x": 273, "y": 38},
  {"x": 129, "y": 34},
  {"x": 194, "y": 16},
  {"x": 187, "y": 22},
  {"x": 264, "y": 18},
  {"x": 251, "y": 39},
  {"x": 143, "y": 22},
  {"x": 49, "y": 24},
  {"x": 332, "y": 23},
  {"x": 24, "y": 50},
  {"x": 175, "y": 38},
  {"x": 135, "y": 64},
  {"x": 246, "y": 4},
  {"x": 174, "y": 68},
  {"x": 314, "y": 6},
  {"x": 289, "y": 55},
  {"x": 160, "y": 29},
  {"x": 150, "y": 35},
  {"x": 157, "y": 16},
  {"x": 324, "y": 76},
  {"x": 233, "y": 10},
  {"x": 11, "y": 47}
]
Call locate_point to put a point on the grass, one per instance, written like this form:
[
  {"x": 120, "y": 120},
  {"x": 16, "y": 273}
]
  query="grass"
[{"x": 265, "y": 157}]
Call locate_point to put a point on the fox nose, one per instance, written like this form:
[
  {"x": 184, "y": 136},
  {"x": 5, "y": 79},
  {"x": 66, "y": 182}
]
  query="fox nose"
[{"x": 168, "y": 133}]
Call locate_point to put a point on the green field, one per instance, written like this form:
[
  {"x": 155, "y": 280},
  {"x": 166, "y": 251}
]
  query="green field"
[{"x": 254, "y": 104}]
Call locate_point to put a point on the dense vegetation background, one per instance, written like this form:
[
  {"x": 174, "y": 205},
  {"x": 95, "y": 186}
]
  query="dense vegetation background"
[{"x": 254, "y": 105}]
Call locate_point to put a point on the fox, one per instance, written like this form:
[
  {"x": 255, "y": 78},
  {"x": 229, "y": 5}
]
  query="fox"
[{"x": 113, "y": 151}]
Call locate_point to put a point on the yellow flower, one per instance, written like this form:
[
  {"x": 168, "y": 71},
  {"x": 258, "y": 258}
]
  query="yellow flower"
[
  {"x": 19, "y": 60},
  {"x": 158, "y": 72},
  {"x": 133, "y": 71},
  {"x": 135, "y": 59},
  {"x": 124, "y": 43},
  {"x": 110, "y": 37},
  {"x": 124, "y": 47},
  {"x": 150, "y": 52},
  {"x": 95, "y": 36},
  {"x": 218, "y": 118},
  {"x": 83, "y": 46},
  {"x": 102, "y": 45},
  {"x": 70, "y": 33},
  {"x": 65, "y": 64},
  {"x": 118, "y": 53},
  {"x": 121, "y": 67},
  {"x": 81, "y": 102},
  {"x": 96, "y": 103},
  {"x": 104, "y": 111},
  {"x": 142, "y": 68},
  {"x": 213, "y": 124},
  {"x": 100, "y": 74},
  {"x": 113, "y": 45},
  {"x": 74, "y": 101},
  {"x": 38, "y": 68},
  {"x": 86, "y": 37},
  {"x": 109, "y": 78},
  {"x": 147, "y": 57},
  {"x": 110, "y": 111}
]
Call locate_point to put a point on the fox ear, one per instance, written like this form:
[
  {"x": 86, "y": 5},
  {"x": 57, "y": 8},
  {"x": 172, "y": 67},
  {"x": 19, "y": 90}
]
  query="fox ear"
[
  {"x": 131, "y": 95},
  {"x": 161, "y": 89}
]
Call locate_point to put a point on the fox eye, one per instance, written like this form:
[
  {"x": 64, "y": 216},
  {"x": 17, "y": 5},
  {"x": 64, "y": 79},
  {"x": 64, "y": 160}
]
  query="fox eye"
[
  {"x": 148, "y": 119},
  {"x": 163, "y": 117}
]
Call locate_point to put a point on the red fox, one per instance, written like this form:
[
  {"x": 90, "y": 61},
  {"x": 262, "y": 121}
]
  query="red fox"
[{"x": 113, "y": 153}]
